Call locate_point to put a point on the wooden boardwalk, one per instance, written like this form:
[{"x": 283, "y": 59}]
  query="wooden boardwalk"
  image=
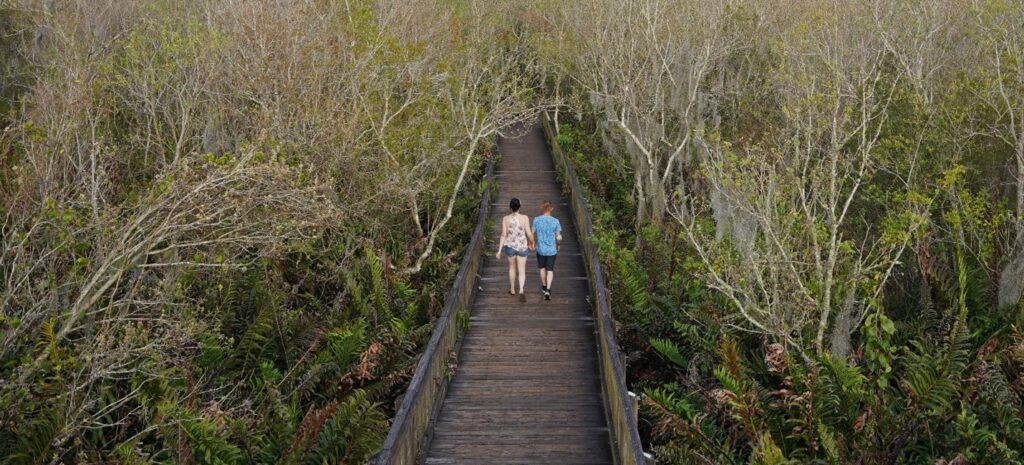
[{"x": 526, "y": 389}]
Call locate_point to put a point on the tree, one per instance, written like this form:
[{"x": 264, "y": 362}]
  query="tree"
[
  {"x": 1002, "y": 33},
  {"x": 646, "y": 68},
  {"x": 487, "y": 91},
  {"x": 802, "y": 269}
]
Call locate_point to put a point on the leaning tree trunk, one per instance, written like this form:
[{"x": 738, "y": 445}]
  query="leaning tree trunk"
[{"x": 1011, "y": 280}]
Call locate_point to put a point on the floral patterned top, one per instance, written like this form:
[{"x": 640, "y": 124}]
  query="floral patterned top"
[{"x": 516, "y": 238}]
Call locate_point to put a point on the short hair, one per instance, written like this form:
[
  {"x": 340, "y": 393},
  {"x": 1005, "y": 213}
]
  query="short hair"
[
  {"x": 515, "y": 204},
  {"x": 546, "y": 207}
]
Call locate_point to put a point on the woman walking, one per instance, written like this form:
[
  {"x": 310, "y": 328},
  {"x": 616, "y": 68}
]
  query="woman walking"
[{"x": 516, "y": 242}]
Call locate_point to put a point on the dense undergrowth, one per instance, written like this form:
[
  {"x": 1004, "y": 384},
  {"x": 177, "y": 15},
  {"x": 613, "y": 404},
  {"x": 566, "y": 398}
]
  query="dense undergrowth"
[
  {"x": 812, "y": 219},
  {"x": 936, "y": 378},
  {"x": 227, "y": 228}
]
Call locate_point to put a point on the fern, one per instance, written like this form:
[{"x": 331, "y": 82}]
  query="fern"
[
  {"x": 254, "y": 342},
  {"x": 827, "y": 440},
  {"x": 981, "y": 444},
  {"x": 635, "y": 286},
  {"x": 840, "y": 391},
  {"x": 342, "y": 346},
  {"x": 926, "y": 382},
  {"x": 767, "y": 453},
  {"x": 209, "y": 446},
  {"x": 669, "y": 350},
  {"x": 729, "y": 382},
  {"x": 32, "y": 442},
  {"x": 354, "y": 432},
  {"x": 671, "y": 403},
  {"x": 356, "y": 297},
  {"x": 377, "y": 284}
]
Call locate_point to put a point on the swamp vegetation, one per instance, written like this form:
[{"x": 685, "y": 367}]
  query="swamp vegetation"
[{"x": 226, "y": 226}]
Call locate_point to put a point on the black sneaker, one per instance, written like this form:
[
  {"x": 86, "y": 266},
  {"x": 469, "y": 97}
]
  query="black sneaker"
[{"x": 547, "y": 294}]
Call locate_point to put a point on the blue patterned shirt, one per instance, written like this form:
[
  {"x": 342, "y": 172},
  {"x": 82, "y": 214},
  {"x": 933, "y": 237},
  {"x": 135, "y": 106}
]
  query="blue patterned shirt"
[{"x": 546, "y": 228}]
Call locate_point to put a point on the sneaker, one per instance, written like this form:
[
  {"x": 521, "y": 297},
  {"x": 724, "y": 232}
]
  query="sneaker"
[{"x": 547, "y": 294}]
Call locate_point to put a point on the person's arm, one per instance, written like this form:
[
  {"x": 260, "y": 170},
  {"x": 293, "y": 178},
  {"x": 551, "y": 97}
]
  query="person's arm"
[
  {"x": 558, "y": 236},
  {"x": 501, "y": 240},
  {"x": 529, "y": 234}
]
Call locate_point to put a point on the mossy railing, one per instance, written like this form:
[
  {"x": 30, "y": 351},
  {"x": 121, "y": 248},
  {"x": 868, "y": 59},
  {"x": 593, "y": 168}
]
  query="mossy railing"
[
  {"x": 414, "y": 419},
  {"x": 620, "y": 404}
]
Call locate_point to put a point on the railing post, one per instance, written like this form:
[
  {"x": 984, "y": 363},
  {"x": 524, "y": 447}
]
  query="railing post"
[{"x": 634, "y": 405}]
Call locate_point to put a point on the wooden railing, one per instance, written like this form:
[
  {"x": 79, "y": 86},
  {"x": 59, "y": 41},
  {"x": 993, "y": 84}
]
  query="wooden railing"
[
  {"x": 413, "y": 422},
  {"x": 620, "y": 404}
]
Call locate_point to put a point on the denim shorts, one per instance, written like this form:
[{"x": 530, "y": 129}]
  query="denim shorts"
[{"x": 510, "y": 252}]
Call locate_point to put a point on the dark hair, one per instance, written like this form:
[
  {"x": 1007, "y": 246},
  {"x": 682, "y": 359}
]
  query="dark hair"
[{"x": 514, "y": 204}]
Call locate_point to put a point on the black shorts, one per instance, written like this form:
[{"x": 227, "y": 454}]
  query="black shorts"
[{"x": 546, "y": 261}]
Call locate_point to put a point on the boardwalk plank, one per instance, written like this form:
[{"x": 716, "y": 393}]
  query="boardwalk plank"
[{"x": 526, "y": 387}]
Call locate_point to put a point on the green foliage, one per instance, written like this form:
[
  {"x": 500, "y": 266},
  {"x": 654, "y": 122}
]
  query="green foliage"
[
  {"x": 34, "y": 443},
  {"x": 223, "y": 344},
  {"x": 879, "y": 350},
  {"x": 230, "y": 342},
  {"x": 670, "y": 351},
  {"x": 355, "y": 428},
  {"x": 767, "y": 453},
  {"x": 840, "y": 394},
  {"x": 208, "y": 444},
  {"x": 932, "y": 376},
  {"x": 671, "y": 402}
]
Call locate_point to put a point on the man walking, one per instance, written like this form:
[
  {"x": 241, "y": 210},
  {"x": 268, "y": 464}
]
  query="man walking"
[{"x": 548, "y": 232}]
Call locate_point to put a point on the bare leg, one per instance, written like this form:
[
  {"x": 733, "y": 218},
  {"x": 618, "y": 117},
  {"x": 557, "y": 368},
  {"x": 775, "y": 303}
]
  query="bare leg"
[
  {"x": 543, "y": 278},
  {"x": 521, "y": 262},
  {"x": 551, "y": 278},
  {"x": 511, "y": 275}
]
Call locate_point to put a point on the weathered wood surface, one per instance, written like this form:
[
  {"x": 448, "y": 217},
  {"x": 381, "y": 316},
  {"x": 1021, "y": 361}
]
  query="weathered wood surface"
[
  {"x": 622, "y": 421},
  {"x": 527, "y": 386}
]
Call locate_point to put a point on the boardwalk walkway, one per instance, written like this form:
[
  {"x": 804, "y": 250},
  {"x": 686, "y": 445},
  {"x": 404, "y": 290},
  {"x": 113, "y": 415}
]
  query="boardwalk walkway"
[{"x": 526, "y": 389}]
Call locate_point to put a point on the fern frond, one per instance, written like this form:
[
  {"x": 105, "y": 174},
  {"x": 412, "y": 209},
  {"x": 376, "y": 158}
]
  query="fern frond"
[
  {"x": 669, "y": 350},
  {"x": 210, "y": 446},
  {"x": 254, "y": 342},
  {"x": 33, "y": 441},
  {"x": 354, "y": 432},
  {"x": 635, "y": 286},
  {"x": 678, "y": 406},
  {"x": 767, "y": 453}
]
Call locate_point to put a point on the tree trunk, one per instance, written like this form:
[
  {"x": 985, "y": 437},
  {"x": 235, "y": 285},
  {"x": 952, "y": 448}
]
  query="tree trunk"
[
  {"x": 1020, "y": 187},
  {"x": 415, "y": 215},
  {"x": 845, "y": 324},
  {"x": 1011, "y": 280},
  {"x": 657, "y": 203},
  {"x": 448, "y": 211}
]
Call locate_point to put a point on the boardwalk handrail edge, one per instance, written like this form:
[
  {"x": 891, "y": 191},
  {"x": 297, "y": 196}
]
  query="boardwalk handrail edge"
[
  {"x": 414, "y": 418},
  {"x": 627, "y": 447}
]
